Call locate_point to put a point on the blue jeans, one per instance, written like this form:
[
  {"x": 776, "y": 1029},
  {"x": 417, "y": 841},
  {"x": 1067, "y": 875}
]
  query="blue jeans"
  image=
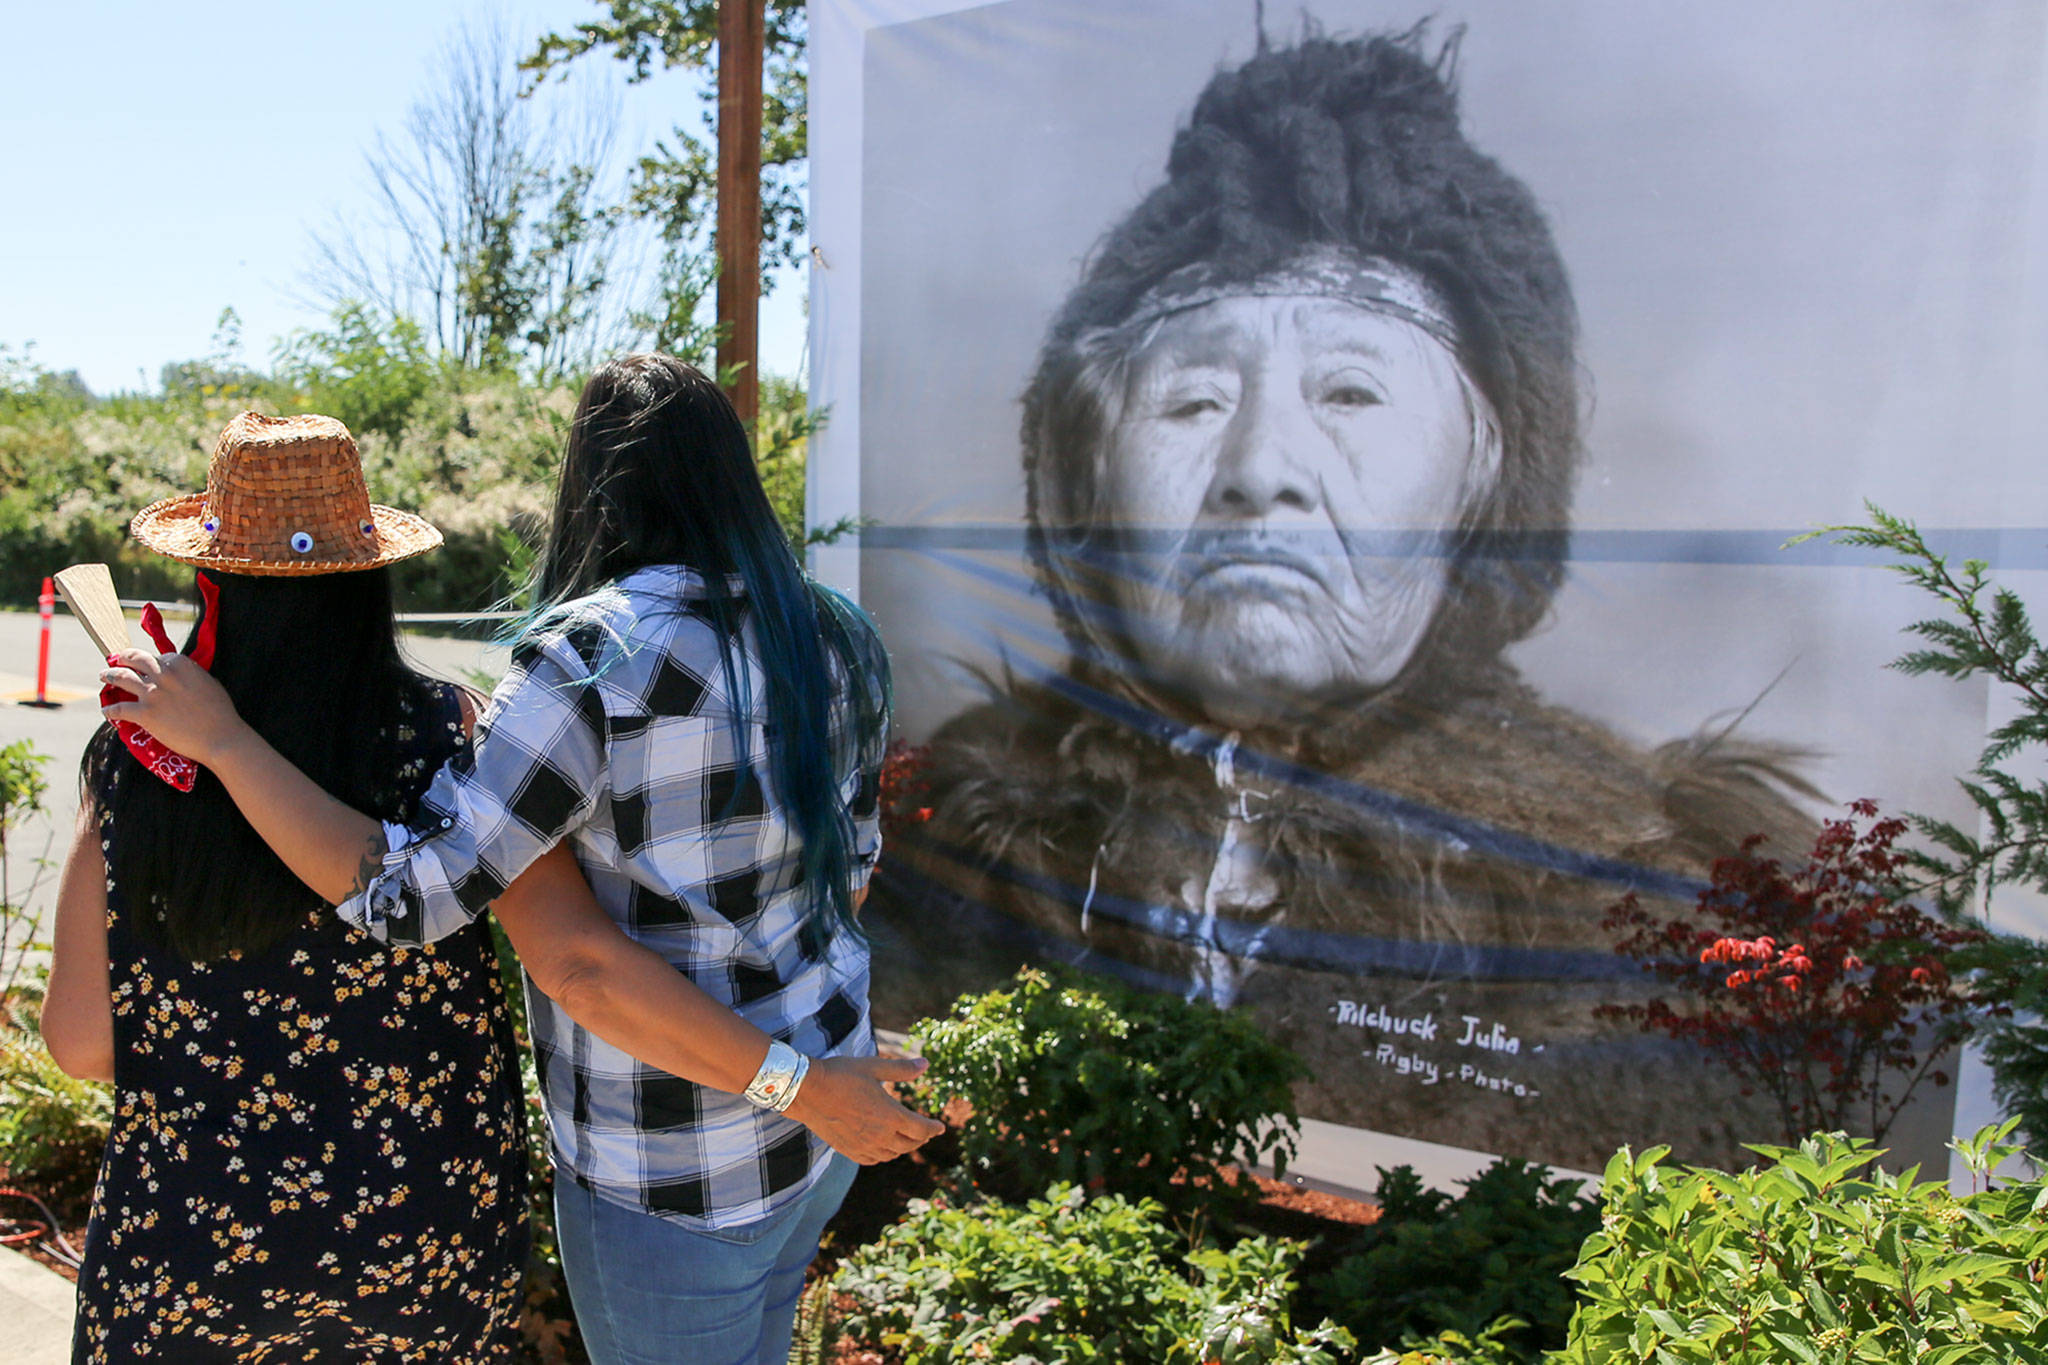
[{"x": 650, "y": 1292}]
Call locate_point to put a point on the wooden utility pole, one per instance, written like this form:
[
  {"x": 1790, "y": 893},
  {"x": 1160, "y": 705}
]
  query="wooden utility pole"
[{"x": 740, "y": 40}]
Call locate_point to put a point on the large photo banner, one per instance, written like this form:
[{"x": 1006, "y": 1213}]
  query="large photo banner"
[{"x": 1325, "y": 474}]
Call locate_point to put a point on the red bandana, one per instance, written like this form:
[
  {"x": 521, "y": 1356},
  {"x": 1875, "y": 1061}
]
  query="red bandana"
[{"x": 166, "y": 763}]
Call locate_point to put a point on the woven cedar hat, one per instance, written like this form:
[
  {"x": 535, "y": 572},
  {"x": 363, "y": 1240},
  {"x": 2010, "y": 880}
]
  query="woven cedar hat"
[{"x": 284, "y": 495}]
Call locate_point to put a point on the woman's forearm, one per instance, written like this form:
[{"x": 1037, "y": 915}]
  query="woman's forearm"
[
  {"x": 331, "y": 847},
  {"x": 78, "y": 1007},
  {"x": 632, "y": 998}
]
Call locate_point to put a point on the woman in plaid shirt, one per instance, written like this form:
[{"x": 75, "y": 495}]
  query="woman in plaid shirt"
[{"x": 671, "y": 805}]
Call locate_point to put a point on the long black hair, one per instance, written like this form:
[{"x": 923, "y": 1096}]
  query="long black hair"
[
  {"x": 658, "y": 470},
  {"x": 312, "y": 664}
]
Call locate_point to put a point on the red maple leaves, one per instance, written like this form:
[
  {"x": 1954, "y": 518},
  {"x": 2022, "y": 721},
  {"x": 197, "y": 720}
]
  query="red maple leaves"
[{"x": 1819, "y": 984}]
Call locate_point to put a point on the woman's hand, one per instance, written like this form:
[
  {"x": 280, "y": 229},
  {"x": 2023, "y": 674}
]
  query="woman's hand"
[
  {"x": 846, "y": 1102},
  {"x": 176, "y": 700}
]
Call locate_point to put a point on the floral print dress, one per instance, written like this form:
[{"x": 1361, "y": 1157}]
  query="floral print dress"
[{"x": 317, "y": 1151}]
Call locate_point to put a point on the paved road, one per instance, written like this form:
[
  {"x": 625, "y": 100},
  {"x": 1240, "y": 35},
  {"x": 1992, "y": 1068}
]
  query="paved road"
[{"x": 63, "y": 733}]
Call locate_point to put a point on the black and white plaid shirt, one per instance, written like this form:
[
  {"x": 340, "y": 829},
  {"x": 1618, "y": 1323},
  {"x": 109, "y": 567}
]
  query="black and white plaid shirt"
[{"x": 612, "y": 730}]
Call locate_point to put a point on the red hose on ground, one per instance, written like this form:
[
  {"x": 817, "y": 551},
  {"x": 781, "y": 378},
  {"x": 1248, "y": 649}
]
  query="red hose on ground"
[{"x": 36, "y": 1231}]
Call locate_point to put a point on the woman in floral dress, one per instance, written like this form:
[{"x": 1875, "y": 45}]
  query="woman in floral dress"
[{"x": 317, "y": 1150}]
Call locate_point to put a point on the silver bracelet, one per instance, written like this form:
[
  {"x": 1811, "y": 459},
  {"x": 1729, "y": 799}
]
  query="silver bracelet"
[{"x": 782, "y": 1071}]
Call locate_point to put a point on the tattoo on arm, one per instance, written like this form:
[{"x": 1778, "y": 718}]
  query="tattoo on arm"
[{"x": 372, "y": 862}]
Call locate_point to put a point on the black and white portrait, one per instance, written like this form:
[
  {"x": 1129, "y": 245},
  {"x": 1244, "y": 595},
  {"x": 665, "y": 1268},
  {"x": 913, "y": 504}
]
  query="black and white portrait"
[{"x": 1324, "y": 479}]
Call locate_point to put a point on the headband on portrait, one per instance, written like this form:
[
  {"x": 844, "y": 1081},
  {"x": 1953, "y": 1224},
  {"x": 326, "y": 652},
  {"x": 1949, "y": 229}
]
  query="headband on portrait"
[{"x": 1323, "y": 272}]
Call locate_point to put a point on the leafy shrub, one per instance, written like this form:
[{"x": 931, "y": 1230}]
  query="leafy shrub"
[
  {"x": 481, "y": 465},
  {"x": 369, "y": 370},
  {"x": 1256, "y": 1329},
  {"x": 72, "y": 472},
  {"x": 1069, "y": 1279},
  {"x": 782, "y": 439},
  {"x": 475, "y": 452},
  {"x": 25, "y": 386},
  {"x": 1453, "y": 1348},
  {"x": 1435, "y": 1263},
  {"x": 1817, "y": 984},
  {"x": 1819, "y": 1258},
  {"x": 52, "y": 1127},
  {"x": 1082, "y": 1080},
  {"x": 23, "y": 785}
]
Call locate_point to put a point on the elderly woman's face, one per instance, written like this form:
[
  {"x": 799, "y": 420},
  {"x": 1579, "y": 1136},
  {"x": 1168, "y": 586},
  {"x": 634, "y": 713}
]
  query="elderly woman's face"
[{"x": 1291, "y": 468}]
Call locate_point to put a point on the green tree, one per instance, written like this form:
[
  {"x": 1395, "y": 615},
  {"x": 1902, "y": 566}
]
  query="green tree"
[
  {"x": 219, "y": 373},
  {"x": 25, "y": 386},
  {"x": 368, "y": 369},
  {"x": 1984, "y": 631},
  {"x": 493, "y": 226},
  {"x": 675, "y": 185}
]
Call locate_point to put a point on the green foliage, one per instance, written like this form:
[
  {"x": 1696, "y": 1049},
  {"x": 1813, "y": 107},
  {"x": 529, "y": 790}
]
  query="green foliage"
[
  {"x": 476, "y": 453},
  {"x": 22, "y": 784},
  {"x": 1453, "y": 1348},
  {"x": 675, "y": 321},
  {"x": 782, "y": 436},
  {"x": 369, "y": 370},
  {"x": 22, "y": 788},
  {"x": 1080, "y": 1079},
  {"x": 74, "y": 469},
  {"x": 220, "y": 374},
  {"x": 52, "y": 1127},
  {"x": 493, "y": 221},
  {"x": 1820, "y": 1258},
  {"x": 481, "y": 465},
  {"x": 1069, "y": 1279},
  {"x": 1984, "y": 631},
  {"x": 26, "y": 387},
  {"x": 1255, "y": 1325},
  {"x": 1994, "y": 639},
  {"x": 1435, "y": 1263},
  {"x": 675, "y": 185}
]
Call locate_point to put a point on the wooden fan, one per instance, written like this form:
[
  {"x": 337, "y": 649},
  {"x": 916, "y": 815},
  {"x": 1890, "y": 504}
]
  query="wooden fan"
[{"x": 89, "y": 590}]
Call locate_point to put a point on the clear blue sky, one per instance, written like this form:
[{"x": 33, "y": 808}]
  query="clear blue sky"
[{"x": 163, "y": 162}]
